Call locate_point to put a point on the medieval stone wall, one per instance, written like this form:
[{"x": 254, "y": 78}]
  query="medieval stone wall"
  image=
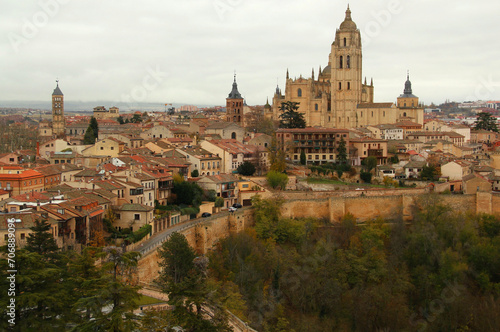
[{"x": 205, "y": 234}]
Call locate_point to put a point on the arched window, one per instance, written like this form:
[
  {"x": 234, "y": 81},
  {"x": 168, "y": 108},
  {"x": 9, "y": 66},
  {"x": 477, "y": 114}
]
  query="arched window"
[
  {"x": 299, "y": 92},
  {"x": 404, "y": 114},
  {"x": 348, "y": 62},
  {"x": 341, "y": 62},
  {"x": 384, "y": 113},
  {"x": 348, "y": 85},
  {"x": 315, "y": 107},
  {"x": 340, "y": 85},
  {"x": 345, "y": 41},
  {"x": 233, "y": 135}
]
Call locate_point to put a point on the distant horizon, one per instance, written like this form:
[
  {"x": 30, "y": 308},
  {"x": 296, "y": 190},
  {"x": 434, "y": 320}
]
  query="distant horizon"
[
  {"x": 77, "y": 106},
  {"x": 159, "y": 52}
]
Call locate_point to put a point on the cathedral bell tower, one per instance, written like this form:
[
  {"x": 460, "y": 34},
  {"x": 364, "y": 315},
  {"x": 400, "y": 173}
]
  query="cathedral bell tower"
[
  {"x": 58, "y": 124},
  {"x": 346, "y": 76}
]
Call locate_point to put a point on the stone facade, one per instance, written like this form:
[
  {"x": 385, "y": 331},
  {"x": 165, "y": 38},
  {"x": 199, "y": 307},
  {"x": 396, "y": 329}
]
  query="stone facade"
[
  {"x": 234, "y": 105},
  {"x": 58, "y": 122},
  {"x": 338, "y": 98}
]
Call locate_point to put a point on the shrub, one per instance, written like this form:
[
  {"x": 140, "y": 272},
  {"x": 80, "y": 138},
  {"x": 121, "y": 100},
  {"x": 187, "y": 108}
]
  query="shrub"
[
  {"x": 366, "y": 177},
  {"x": 277, "y": 180},
  {"x": 140, "y": 233}
]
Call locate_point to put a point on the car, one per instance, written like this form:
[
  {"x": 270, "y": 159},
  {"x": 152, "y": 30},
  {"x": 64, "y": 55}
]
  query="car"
[
  {"x": 237, "y": 205},
  {"x": 232, "y": 209},
  {"x": 206, "y": 214}
]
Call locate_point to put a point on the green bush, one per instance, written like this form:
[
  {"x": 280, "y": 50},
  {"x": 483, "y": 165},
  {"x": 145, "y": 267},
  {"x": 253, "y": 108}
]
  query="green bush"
[
  {"x": 277, "y": 180},
  {"x": 190, "y": 211},
  {"x": 366, "y": 177},
  {"x": 140, "y": 233}
]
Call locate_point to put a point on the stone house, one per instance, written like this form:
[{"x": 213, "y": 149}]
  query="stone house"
[{"x": 473, "y": 183}]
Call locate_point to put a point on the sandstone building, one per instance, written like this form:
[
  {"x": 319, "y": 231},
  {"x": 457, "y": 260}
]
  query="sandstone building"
[
  {"x": 58, "y": 123},
  {"x": 337, "y": 97}
]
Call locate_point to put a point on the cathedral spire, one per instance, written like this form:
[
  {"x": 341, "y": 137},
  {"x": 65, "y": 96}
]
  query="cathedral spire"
[
  {"x": 312, "y": 74},
  {"x": 287, "y": 76},
  {"x": 371, "y": 82}
]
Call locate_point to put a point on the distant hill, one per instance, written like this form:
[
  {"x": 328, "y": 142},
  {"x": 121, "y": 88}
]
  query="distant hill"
[{"x": 79, "y": 106}]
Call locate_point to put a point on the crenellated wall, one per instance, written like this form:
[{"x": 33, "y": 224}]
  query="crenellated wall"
[
  {"x": 364, "y": 207},
  {"x": 205, "y": 234}
]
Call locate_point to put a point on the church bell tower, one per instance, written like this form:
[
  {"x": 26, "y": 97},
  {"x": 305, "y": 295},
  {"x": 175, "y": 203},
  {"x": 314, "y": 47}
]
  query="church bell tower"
[
  {"x": 58, "y": 124},
  {"x": 346, "y": 77}
]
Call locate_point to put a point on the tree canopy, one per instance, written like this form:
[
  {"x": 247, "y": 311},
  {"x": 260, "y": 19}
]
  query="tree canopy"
[
  {"x": 486, "y": 121},
  {"x": 246, "y": 168},
  {"x": 92, "y": 133},
  {"x": 184, "y": 278},
  {"x": 342, "y": 151},
  {"x": 290, "y": 117},
  {"x": 441, "y": 272}
]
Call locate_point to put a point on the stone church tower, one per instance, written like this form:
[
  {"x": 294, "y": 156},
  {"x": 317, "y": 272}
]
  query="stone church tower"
[
  {"x": 234, "y": 105},
  {"x": 346, "y": 77},
  {"x": 331, "y": 99},
  {"x": 58, "y": 123}
]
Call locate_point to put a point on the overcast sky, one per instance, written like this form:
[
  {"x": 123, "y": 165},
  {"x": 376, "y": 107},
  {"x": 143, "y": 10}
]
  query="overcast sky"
[{"x": 187, "y": 51}]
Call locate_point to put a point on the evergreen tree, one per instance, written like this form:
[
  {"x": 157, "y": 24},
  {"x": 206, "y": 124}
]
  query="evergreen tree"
[
  {"x": 111, "y": 296},
  {"x": 290, "y": 117},
  {"x": 486, "y": 121},
  {"x": 342, "y": 151},
  {"x": 184, "y": 278},
  {"x": 92, "y": 133},
  {"x": 95, "y": 126},
  {"x": 43, "y": 298},
  {"x": 303, "y": 159},
  {"x": 41, "y": 240},
  {"x": 89, "y": 137},
  {"x": 120, "y": 120}
]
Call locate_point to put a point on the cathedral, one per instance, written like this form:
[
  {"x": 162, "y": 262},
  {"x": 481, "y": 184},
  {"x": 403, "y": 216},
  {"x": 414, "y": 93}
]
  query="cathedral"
[{"x": 337, "y": 97}]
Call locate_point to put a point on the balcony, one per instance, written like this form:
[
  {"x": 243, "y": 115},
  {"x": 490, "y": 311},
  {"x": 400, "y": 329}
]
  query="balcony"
[
  {"x": 165, "y": 185},
  {"x": 136, "y": 192},
  {"x": 379, "y": 153}
]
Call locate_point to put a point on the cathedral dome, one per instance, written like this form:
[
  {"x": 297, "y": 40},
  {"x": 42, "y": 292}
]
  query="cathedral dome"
[{"x": 348, "y": 23}]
